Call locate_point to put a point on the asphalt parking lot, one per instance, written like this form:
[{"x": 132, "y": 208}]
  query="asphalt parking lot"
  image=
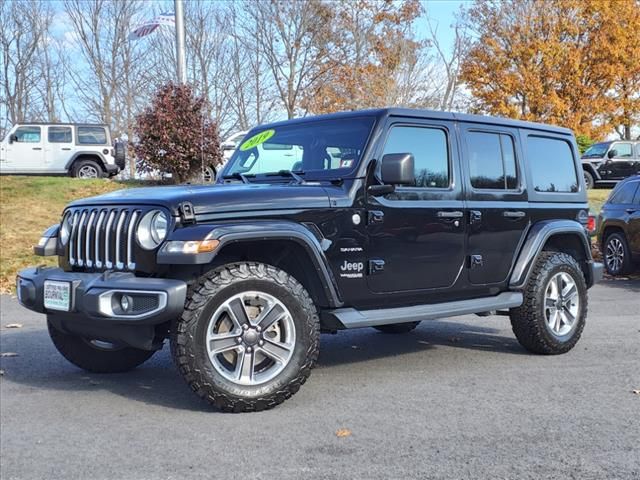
[{"x": 456, "y": 398}]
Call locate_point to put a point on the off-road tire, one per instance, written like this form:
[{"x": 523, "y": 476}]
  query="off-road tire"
[
  {"x": 85, "y": 355},
  {"x": 189, "y": 350},
  {"x": 588, "y": 180},
  {"x": 397, "y": 327},
  {"x": 627, "y": 263},
  {"x": 92, "y": 164},
  {"x": 528, "y": 321}
]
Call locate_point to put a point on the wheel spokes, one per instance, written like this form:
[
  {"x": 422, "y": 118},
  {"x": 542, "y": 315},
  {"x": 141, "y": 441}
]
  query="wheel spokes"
[
  {"x": 238, "y": 313},
  {"x": 222, "y": 343},
  {"x": 276, "y": 351},
  {"x": 269, "y": 316},
  {"x": 244, "y": 366}
]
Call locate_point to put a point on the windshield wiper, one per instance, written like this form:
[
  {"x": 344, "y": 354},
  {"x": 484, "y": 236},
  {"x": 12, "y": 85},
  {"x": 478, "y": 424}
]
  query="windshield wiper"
[
  {"x": 288, "y": 173},
  {"x": 238, "y": 176}
]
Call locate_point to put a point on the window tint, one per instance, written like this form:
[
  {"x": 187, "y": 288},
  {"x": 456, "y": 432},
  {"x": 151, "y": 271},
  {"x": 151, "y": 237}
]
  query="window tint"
[
  {"x": 28, "y": 134},
  {"x": 624, "y": 193},
  {"x": 492, "y": 161},
  {"x": 623, "y": 150},
  {"x": 92, "y": 136},
  {"x": 552, "y": 166},
  {"x": 429, "y": 149},
  {"x": 59, "y": 134}
]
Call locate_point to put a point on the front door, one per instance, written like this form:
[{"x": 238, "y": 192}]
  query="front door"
[
  {"x": 622, "y": 164},
  {"x": 417, "y": 233},
  {"x": 25, "y": 154},
  {"x": 497, "y": 201}
]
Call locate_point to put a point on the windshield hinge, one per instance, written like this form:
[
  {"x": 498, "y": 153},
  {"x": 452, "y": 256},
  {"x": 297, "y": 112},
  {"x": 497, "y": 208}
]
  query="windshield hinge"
[{"x": 187, "y": 214}]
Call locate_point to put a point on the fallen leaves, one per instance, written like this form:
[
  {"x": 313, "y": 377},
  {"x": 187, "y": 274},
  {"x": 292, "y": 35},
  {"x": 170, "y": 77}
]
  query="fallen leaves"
[
  {"x": 343, "y": 432},
  {"x": 8, "y": 354},
  {"x": 13, "y": 325}
]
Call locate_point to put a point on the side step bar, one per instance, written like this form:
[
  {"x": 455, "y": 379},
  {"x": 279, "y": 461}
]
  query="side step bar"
[{"x": 352, "y": 318}]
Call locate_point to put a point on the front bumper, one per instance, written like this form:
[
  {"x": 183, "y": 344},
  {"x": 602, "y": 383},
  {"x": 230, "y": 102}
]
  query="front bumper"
[{"x": 94, "y": 309}]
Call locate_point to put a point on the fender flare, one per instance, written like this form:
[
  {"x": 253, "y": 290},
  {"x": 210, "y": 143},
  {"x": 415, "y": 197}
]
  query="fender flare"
[
  {"x": 588, "y": 167},
  {"x": 75, "y": 156},
  {"x": 235, "y": 232},
  {"x": 537, "y": 237}
]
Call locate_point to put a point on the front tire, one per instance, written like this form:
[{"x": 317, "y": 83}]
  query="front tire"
[
  {"x": 397, "y": 328},
  {"x": 553, "y": 314},
  {"x": 588, "y": 180},
  {"x": 95, "y": 356},
  {"x": 248, "y": 337}
]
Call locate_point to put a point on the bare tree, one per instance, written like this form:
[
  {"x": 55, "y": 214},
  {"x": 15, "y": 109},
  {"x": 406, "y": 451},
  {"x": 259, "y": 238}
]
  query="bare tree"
[
  {"x": 24, "y": 26},
  {"x": 294, "y": 38},
  {"x": 450, "y": 61}
]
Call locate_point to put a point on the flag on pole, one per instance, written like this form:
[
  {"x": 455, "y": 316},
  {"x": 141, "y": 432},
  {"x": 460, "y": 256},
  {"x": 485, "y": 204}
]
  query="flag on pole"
[{"x": 166, "y": 18}]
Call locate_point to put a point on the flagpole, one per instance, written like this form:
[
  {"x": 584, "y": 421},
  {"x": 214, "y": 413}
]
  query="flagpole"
[{"x": 180, "y": 49}]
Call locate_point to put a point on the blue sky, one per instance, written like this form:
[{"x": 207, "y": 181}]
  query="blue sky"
[{"x": 442, "y": 12}]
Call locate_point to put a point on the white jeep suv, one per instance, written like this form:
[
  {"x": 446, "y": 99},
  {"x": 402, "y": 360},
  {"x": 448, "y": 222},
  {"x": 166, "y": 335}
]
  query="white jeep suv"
[{"x": 79, "y": 150}]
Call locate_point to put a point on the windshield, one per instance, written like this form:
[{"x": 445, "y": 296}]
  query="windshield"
[
  {"x": 312, "y": 148},
  {"x": 596, "y": 151}
]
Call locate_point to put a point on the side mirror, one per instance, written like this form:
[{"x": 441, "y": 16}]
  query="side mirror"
[
  {"x": 396, "y": 169},
  {"x": 612, "y": 153},
  {"x": 13, "y": 138}
]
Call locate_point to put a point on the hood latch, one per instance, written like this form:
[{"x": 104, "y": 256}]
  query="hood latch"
[{"x": 187, "y": 214}]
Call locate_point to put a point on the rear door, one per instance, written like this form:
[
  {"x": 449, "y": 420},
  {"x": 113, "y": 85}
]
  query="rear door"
[
  {"x": 417, "y": 234},
  {"x": 633, "y": 211},
  {"x": 26, "y": 153},
  {"x": 60, "y": 147},
  {"x": 496, "y": 200}
]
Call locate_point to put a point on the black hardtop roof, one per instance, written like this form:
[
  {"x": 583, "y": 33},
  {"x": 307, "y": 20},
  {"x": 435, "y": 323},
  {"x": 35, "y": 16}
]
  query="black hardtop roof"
[{"x": 428, "y": 114}]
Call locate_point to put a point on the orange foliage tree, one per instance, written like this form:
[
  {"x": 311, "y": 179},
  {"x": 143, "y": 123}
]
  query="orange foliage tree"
[
  {"x": 371, "y": 43},
  {"x": 572, "y": 62}
]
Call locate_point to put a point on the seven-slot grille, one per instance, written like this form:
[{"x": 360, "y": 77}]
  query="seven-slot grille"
[{"x": 103, "y": 238}]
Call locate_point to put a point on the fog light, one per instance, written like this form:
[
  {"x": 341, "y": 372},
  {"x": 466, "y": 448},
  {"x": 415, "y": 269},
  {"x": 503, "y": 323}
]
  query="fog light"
[{"x": 125, "y": 303}]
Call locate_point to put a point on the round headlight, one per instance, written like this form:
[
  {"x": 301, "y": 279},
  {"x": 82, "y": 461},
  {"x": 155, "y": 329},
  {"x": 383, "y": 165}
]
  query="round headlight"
[
  {"x": 65, "y": 228},
  {"x": 152, "y": 229}
]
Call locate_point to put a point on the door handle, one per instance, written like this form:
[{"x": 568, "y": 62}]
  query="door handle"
[
  {"x": 454, "y": 214},
  {"x": 632, "y": 210},
  {"x": 37, "y": 148},
  {"x": 65, "y": 148},
  {"x": 513, "y": 214}
]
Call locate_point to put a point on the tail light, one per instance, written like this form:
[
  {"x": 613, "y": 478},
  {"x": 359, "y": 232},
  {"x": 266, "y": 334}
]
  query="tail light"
[{"x": 591, "y": 224}]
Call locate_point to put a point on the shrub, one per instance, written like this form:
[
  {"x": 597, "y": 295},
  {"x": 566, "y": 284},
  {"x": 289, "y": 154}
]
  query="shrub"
[{"x": 174, "y": 133}]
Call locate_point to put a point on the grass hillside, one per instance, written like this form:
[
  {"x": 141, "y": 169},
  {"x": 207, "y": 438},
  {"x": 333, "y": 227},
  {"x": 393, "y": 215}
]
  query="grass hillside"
[{"x": 28, "y": 205}]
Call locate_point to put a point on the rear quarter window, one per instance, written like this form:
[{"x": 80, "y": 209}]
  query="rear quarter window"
[
  {"x": 552, "y": 165},
  {"x": 92, "y": 136},
  {"x": 624, "y": 193}
]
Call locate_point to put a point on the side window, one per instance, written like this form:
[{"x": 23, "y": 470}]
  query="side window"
[
  {"x": 636, "y": 200},
  {"x": 623, "y": 150},
  {"x": 28, "y": 134},
  {"x": 492, "y": 161},
  {"x": 430, "y": 152},
  {"x": 59, "y": 135},
  {"x": 624, "y": 194},
  {"x": 552, "y": 165},
  {"x": 92, "y": 136}
]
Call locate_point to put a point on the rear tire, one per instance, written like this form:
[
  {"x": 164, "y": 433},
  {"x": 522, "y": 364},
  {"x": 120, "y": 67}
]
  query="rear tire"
[
  {"x": 87, "y": 169},
  {"x": 97, "y": 357},
  {"x": 248, "y": 337},
  {"x": 553, "y": 314},
  {"x": 396, "y": 328},
  {"x": 617, "y": 255}
]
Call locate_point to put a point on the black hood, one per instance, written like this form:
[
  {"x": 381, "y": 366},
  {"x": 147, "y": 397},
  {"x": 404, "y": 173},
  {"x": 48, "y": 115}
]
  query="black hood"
[{"x": 218, "y": 198}]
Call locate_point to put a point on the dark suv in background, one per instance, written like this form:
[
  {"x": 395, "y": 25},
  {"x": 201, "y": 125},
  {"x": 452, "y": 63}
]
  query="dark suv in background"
[
  {"x": 619, "y": 227},
  {"x": 609, "y": 162}
]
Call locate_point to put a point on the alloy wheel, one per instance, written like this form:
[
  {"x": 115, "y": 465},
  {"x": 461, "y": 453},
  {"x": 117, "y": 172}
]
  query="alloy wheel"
[
  {"x": 88, "y": 171},
  {"x": 614, "y": 255},
  {"x": 561, "y": 304},
  {"x": 250, "y": 338}
]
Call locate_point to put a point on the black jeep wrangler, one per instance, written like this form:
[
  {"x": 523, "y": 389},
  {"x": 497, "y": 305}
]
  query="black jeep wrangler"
[{"x": 378, "y": 218}]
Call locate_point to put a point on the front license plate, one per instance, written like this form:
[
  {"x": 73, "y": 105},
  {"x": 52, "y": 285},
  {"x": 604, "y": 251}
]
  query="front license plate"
[{"x": 57, "y": 295}]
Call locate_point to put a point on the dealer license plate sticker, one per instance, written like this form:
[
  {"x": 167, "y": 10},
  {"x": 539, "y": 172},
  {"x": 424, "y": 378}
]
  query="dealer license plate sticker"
[{"x": 57, "y": 295}]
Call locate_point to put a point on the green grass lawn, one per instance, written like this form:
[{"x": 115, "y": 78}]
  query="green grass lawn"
[{"x": 28, "y": 205}]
